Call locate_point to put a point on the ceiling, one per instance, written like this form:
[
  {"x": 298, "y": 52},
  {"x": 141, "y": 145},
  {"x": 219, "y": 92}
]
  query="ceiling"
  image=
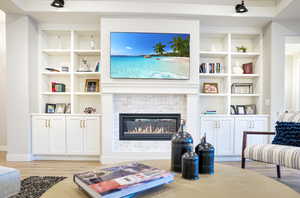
[{"x": 208, "y": 11}]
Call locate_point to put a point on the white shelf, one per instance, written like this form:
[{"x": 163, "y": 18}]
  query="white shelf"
[
  {"x": 95, "y": 52},
  {"x": 213, "y": 54},
  {"x": 56, "y": 73},
  {"x": 56, "y": 93},
  {"x": 57, "y": 52},
  {"x": 213, "y": 95},
  {"x": 88, "y": 93},
  {"x": 245, "y": 55},
  {"x": 245, "y": 75},
  {"x": 87, "y": 74},
  {"x": 217, "y": 75},
  {"x": 245, "y": 95}
]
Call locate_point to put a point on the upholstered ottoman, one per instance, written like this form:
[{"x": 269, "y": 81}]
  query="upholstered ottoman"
[{"x": 10, "y": 182}]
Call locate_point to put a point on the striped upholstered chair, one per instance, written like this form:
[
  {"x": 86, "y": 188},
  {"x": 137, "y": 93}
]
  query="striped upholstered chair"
[{"x": 285, "y": 148}]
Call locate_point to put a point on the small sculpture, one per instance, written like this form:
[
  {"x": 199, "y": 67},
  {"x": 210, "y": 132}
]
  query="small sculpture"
[{"x": 84, "y": 66}]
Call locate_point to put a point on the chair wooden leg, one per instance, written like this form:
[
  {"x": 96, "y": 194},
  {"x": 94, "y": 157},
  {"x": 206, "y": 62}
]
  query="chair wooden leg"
[
  {"x": 243, "y": 162},
  {"x": 278, "y": 171}
]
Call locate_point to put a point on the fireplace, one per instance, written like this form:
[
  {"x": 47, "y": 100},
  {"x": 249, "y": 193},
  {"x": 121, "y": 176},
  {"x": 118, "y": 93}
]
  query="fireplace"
[{"x": 148, "y": 126}]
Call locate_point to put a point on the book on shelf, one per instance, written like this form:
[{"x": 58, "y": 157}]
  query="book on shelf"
[
  {"x": 58, "y": 87},
  {"x": 121, "y": 181},
  {"x": 210, "y": 68},
  {"x": 210, "y": 112}
]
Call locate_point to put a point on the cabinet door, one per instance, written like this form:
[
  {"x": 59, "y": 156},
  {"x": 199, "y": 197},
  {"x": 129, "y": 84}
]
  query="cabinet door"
[
  {"x": 208, "y": 127},
  {"x": 40, "y": 135},
  {"x": 74, "y": 134},
  {"x": 241, "y": 125},
  {"x": 224, "y": 133},
  {"x": 249, "y": 124},
  {"x": 258, "y": 124},
  {"x": 92, "y": 135},
  {"x": 57, "y": 135}
]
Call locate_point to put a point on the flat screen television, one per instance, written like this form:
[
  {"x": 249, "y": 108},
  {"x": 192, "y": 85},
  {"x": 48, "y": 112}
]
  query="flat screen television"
[{"x": 149, "y": 55}]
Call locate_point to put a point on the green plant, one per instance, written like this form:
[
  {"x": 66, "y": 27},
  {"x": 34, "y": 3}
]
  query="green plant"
[{"x": 241, "y": 49}]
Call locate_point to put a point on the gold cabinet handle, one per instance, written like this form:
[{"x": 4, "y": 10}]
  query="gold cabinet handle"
[
  {"x": 46, "y": 123},
  {"x": 49, "y": 126},
  {"x": 80, "y": 123},
  {"x": 84, "y": 124}
]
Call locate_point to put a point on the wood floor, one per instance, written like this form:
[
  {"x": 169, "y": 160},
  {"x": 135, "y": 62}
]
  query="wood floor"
[{"x": 290, "y": 177}]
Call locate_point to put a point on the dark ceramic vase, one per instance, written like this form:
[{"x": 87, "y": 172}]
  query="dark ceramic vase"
[
  {"x": 190, "y": 165},
  {"x": 206, "y": 153},
  {"x": 182, "y": 142}
]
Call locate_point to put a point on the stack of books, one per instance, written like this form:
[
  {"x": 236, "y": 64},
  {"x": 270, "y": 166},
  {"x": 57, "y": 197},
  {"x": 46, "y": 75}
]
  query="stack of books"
[
  {"x": 210, "y": 112},
  {"x": 122, "y": 181}
]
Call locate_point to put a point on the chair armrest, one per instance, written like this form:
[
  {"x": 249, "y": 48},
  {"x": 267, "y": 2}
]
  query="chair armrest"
[{"x": 244, "y": 145}]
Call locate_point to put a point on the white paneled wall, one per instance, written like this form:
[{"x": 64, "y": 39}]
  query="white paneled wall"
[{"x": 2, "y": 82}]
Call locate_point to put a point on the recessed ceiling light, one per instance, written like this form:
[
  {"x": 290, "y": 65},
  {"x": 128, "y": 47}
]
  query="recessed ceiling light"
[
  {"x": 58, "y": 3},
  {"x": 241, "y": 8}
]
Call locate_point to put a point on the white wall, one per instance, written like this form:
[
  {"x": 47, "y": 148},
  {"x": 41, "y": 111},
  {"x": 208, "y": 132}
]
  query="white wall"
[
  {"x": 22, "y": 51},
  {"x": 2, "y": 83}
]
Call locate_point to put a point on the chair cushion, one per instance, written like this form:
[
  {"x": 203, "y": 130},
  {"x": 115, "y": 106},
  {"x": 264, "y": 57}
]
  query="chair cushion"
[
  {"x": 287, "y": 133},
  {"x": 10, "y": 182},
  {"x": 287, "y": 156}
]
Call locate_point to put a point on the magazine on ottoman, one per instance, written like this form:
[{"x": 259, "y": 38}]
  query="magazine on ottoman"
[{"x": 121, "y": 181}]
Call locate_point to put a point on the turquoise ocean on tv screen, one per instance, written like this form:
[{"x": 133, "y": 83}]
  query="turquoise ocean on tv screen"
[{"x": 156, "y": 67}]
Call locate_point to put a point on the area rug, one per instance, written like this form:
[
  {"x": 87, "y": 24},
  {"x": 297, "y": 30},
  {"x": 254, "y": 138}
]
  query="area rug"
[{"x": 35, "y": 186}]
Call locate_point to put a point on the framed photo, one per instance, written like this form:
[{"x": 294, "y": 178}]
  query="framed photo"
[
  {"x": 211, "y": 88},
  {"x": 60, "y": 108},
  {"x": 50, "y": 108},
  {"x": 240, "y": 109},
  {"x": 68, "y": 108},
  {"x": 232, "y": 110},
  {"x": 250, "y": 109},
  {"x": 242, "y": 88},
  {"x": 92, "y": 85}
]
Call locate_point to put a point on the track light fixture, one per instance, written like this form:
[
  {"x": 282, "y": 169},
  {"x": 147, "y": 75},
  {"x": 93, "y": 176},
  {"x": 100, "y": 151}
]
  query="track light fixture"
[
  {"x": 58, "y": 3},
  {"x": 241, "y": 8}
]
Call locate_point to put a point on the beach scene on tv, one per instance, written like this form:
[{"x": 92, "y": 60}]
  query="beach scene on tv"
[{"x": 150, "y": 55}]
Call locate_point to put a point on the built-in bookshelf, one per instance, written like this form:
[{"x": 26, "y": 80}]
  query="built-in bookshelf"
[
  {"x": 67, "y": 48},
  {"x": 222, "y": 48}
]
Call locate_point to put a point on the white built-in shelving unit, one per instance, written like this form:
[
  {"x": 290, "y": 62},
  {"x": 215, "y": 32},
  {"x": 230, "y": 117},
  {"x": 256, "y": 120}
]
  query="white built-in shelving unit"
[
  {"x": 221, "y": 48},
  {"x": 67, "y": 48}
]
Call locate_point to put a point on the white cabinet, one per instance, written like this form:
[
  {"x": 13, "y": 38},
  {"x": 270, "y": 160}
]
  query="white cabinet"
[
  {"x": 66, "y": 134},
  {"x": 219, "y": 132},
  {"x": 83, "y": 135},
  {"x": 48, "y": 135},
  {"x": 226, "y": 132},
  {"x": 250, "y": 124}
]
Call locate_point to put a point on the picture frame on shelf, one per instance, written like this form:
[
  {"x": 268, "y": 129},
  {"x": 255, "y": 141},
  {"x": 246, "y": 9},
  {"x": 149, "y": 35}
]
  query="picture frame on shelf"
[
  {"x": 240, "y": 110},
  {"x": 50, "y": 108},
  {"x": 92, "y": 85},
  {"x": 233, "y": 110},
  {"x": 210, "y": 88},
  {"x": 68, "y": 108},
  {"x": 250, "y": 109},
  {"x": 242, "y": 88},
  {"x": 60, "y": 108}
]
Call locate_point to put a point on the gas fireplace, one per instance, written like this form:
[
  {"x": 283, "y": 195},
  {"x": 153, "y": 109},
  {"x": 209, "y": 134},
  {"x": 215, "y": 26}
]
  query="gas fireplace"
[{"x": 148, "y": 126}]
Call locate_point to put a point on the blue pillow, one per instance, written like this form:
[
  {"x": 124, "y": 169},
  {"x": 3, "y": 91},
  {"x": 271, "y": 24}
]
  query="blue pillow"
[{"x": 287, "y": 133}]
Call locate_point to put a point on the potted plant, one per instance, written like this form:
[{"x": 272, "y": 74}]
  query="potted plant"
[{"x": 241, "y": 49}]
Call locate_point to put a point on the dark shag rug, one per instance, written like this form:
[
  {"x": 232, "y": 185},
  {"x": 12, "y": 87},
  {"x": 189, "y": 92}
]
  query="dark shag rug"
[{"x": 35, "y": 186}]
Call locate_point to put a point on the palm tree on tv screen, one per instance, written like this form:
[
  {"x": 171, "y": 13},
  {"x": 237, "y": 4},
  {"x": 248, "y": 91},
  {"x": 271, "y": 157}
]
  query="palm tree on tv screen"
[
  {"x": 159, "y": 48},
  {"x": 180, "y": 46}
]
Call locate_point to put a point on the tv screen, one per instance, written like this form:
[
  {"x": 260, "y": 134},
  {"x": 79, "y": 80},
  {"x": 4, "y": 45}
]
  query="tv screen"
[{"x": 149, "y": 55}]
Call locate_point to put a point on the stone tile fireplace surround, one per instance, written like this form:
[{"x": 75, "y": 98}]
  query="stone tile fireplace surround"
[{"x": 114, "y": 149}]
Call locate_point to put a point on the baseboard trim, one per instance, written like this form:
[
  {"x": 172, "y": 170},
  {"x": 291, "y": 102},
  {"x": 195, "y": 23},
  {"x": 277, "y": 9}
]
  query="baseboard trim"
[
  {"x": 65, "y": 157},
  {"x": 18, "y": 157},
  {"x": 3, "y": 148}
]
